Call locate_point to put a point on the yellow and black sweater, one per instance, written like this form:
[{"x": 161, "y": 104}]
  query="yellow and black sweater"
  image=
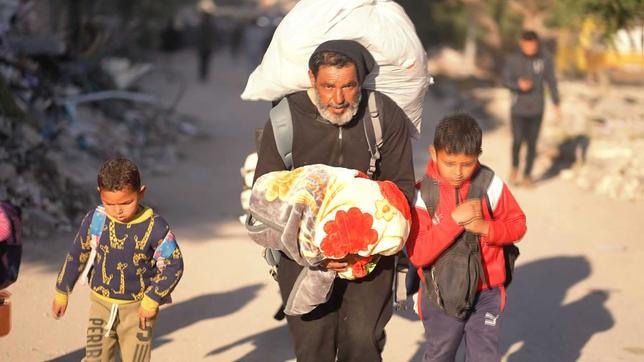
[{"x": 128, "y": 266}]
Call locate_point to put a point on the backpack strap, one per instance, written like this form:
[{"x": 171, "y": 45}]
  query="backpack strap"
[
  {"x": 480, "y": 184},
  {"x": 478, "y": 190},
  {"x": 165, "y": 250},
  {"x": 373, "y": 133},
  {"x": 282, "y": 122},
  {"x": 430, "y": 191},
  {"x": 95, "y": 231}
]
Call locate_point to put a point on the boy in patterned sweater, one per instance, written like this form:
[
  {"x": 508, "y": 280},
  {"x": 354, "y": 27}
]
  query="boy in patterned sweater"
[{"x": 132, "y": 262}]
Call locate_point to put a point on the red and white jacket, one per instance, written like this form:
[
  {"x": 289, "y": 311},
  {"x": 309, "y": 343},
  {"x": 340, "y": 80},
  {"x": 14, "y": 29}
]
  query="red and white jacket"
[{"x": 431, "y": 234}]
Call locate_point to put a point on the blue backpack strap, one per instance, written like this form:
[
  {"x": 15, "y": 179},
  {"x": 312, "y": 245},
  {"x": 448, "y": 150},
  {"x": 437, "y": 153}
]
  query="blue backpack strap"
[
  {"x": 98, "y": 221},
  {"x": 95, "y": 230},
  {"x": 282, "y": 123},
  {"x": 167, "y": 247}
]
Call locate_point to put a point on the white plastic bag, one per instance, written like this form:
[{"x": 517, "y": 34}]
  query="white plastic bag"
[{"x": 381, "y": 26}]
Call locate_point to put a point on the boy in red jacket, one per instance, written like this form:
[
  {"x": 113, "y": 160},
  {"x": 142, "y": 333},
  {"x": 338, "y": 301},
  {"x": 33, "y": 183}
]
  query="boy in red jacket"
[{"x": 447, "y": 216}]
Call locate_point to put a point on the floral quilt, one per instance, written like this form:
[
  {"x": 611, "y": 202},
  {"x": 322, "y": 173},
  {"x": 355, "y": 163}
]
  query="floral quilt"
[{"x": 319, "y": 212}]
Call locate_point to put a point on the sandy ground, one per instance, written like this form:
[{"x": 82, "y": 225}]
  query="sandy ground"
[{"x": 576, "y": 295}]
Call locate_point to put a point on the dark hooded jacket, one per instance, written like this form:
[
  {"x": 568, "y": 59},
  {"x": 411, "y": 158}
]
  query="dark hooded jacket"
[{"x": 539, "y": 69}]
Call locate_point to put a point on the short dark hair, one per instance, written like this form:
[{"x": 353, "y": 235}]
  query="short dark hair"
[
  {"x": 329, "y": 58},
  {"x": 529, "y": 35},
  {"x": 458, "y": 133},
  {"x": 119, "y": 174}
]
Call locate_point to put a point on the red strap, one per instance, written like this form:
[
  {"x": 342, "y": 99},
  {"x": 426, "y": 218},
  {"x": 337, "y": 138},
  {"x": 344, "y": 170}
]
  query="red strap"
[{"x": 502, "y": 298}]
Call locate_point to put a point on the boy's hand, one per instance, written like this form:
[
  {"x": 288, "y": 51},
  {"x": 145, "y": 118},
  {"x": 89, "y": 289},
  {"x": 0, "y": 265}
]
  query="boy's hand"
[
  {"x": 478, "y": 226},
  {"x": 58, "y": 309},
  {"x": 144, "y": 315},
  {"x": 467, "y": 211},
  {"x": 525, "y": 85}
]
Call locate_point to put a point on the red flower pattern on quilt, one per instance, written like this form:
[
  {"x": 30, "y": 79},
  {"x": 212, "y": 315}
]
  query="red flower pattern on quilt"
[
  {"x": 358, "y": 268},
  {"x": 348, "y": 233},
  {"x": 392, "y": 193}
]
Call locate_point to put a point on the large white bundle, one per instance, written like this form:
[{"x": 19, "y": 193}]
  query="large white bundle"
[{"x": 381, "y": 26}]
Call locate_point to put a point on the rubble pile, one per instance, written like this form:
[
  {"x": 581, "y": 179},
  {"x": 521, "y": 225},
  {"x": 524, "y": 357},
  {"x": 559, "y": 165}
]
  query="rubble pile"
[
  {"x": 32, "y": 177},
  {"x": 614, "y": 122},
  {"x": 49, "y": 155},
  {"x": 599, "y": 141}
]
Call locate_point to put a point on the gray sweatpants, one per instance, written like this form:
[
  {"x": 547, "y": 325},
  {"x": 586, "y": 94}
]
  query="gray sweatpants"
[{"x": 481, "y": 330}]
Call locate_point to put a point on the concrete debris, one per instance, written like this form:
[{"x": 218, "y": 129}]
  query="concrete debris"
[
  {"x": 50, "y": 153},
  {"x": 599, "y": 142}
]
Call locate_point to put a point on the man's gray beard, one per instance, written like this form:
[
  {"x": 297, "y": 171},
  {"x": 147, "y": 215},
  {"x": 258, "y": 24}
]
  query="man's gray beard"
[{"x": 341, "y": 119}]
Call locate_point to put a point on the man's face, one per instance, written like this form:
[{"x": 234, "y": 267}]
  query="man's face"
[
  {"x": 454, "y": 168},
  {"x": 122, "y": 205},
  {"x": 529, "y": 47},
  {"x": 337, "y": 91}
]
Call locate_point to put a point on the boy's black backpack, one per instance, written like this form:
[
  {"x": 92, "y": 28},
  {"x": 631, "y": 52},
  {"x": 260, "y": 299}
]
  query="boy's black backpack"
[
  {"x": 452, "y": 281},
  {"x": 11, "y": 248}
]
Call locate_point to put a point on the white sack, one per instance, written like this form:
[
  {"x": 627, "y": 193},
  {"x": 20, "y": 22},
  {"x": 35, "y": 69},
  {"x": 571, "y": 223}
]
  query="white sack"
[{"x": 381, "y": 26}]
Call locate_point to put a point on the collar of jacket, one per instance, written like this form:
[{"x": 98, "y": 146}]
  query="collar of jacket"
[{"x": 142, "y": 215}]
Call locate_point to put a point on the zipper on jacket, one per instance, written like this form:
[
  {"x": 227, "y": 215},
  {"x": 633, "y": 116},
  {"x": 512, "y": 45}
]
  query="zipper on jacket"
[
  {"x": 458, "y": 200},
  {"x": 341, "y": 159}
]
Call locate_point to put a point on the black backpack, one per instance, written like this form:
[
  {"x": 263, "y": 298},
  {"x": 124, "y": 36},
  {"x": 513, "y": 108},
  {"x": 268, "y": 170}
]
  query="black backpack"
[
  {"x": 451, "y": 282},
  {"x": 11, "y": 249}
]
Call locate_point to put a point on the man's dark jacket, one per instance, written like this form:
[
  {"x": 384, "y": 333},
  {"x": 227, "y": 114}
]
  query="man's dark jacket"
[
  {"x": 538, "y": 69},
  {"x": 315, "y": 140}
]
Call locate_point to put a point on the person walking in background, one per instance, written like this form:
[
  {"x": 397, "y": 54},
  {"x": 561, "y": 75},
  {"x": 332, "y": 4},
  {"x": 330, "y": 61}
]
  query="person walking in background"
[
  {"x": 206, "y": 38},
  {"x": 524, "y": 75},
  {"x": 258, "y": 33}
]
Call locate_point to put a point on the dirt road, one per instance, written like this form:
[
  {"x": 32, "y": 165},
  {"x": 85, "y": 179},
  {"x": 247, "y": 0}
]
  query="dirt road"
[{"x": 577, "y": 293}]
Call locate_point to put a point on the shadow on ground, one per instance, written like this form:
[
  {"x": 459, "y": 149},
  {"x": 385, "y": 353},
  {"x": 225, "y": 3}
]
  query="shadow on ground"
[
  {"x": 275, "y": 343},
  {"x": 538, "y": 325},
  {"x": 539, "y": 321},
  {"x": 570, "y": 152},
  {"x": 184, "y": 314}
]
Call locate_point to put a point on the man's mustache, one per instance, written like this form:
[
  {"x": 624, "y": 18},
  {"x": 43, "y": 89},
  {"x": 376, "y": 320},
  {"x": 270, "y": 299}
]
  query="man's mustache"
[{"x": 344, "y": 104}]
